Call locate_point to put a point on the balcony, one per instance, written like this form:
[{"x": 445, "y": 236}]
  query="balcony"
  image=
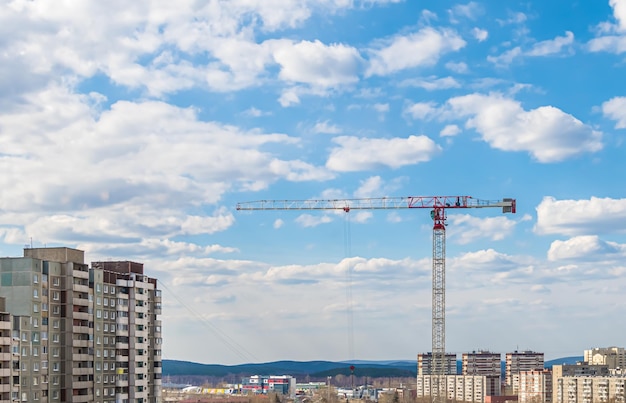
[
  {"x": 86, "y": 398},
  {"x": 81, "y": 357},
  {"x": 5, "y": 357},
  {"x": 80, "y": 315},
  {"x": 82, "y": 371},
  {"x": 80, "y": 329},
  {"x": 5, "y": 325},
  {"x": 80, "y": 343},
  {"x": 5, "y": 388},
  {"x": 81, "y": 384},
  {"x": 80, "y": 288},
  {"x": 80, "y": 301}
]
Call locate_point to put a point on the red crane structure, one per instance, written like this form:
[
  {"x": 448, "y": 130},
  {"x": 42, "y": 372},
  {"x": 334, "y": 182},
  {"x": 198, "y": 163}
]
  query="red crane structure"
[{"x": 438, "y": 206}]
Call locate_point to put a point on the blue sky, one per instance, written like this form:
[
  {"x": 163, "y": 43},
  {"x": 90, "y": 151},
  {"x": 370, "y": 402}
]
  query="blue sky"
[{"x": 131, "y": 131}]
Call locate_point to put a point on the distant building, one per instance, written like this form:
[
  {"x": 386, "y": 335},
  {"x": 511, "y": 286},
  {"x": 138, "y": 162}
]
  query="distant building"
[
  {"x": 579, "y": 369},
  {"x": 425, "y": 363},
  {"x": 487, "y": 364},
  {"x": 518, "y": 361},
  {"x": 466, "y": 388},
  {"x": 613, "y": 357},
  {"x": 535, "y": 386},
  {"x": 258, "y": 384},
  {"x": 589, "y": 389}
]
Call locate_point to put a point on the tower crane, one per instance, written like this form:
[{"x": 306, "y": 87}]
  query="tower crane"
[{"x": 438, "y": 206}]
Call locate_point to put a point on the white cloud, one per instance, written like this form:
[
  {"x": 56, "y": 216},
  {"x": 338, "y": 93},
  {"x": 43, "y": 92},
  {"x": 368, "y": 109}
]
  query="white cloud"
[
  {"x": 308, "y": 220},
  {"x": 421, "y": 110},
  {"x": 450, "y": 131},
  {"x": 470, "y": 11},
  {"x": 432, "y": 83},
  {"x": 466, "y": 228},
  {"x": 326, "y": 128},
  {"x": 358, "y": 154},
  {"x": 317, "y": 64},
  {"x": 588, "y": 247},
  {"x": 552, "y": 46},
  {"x": 375, "y": 186},
  {"x": 458, "y": 67},
  {"x": 480, "y": 34},
  {"x": 381, "y": 108},
  {"x": 619, "y": 12},
  {"x": 581, "y": 217},
  {"x": 615, "y": 109},
  {"x": 555, "y": 46},
  {"x": 422, "y": 48},
  {"x": 278, "y": 223},
  {"x": 547, "y": 133}
]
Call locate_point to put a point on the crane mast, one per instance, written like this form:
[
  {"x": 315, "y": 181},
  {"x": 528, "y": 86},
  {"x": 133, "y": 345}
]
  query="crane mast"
[{"x": 438, "y": 206}]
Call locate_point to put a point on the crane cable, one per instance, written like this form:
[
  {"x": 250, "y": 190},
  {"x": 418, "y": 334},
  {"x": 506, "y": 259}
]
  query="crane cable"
[
  {"x": 228, "y": 341},
  {"x": 347, "y": 243}
]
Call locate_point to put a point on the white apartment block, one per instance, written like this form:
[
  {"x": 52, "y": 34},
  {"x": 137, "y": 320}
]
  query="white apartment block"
[
  {"x": 535, "y": 386},
  {"x": 613, "y": 357},
  {"x": 425, "y": 364},
  {"x": 457, "y": 387},
  {"x": 77, "y": 334},
  {"x": 589, "y": 389},
  {"x": 517, "y": 362}
]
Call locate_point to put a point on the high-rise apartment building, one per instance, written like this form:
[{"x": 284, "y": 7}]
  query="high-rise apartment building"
[
  {"x": 518, "y": 361},
  {"x": 73, "y": 340},
  {"x": 458, "y": 388},
  {"x": 425, "y": 364},
  {"x": 589, "y": 389},
  {"x": 487, "y": 364},
  {"x": 613, "y": 357},
  {"x": 535, "y": 386}
]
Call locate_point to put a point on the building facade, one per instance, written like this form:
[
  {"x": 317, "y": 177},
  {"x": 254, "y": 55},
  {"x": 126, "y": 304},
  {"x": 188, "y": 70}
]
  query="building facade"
[
  {"x": 612, "y": 357},
  {"x": 68, "y": 334},
  {"x": 487, "y": 364},
  {"x": 425, "y": 364},
  {"x": 517, "y": 362},
  {"x": 281, "y": 384},
  {"x": 535, "y": 386},
  {"x": 589, "y": 389},
  {"x": 468, "y": 388}
]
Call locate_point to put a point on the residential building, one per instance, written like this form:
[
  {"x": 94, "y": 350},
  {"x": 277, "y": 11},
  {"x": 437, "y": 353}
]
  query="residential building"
[
  {"x": 613, "y": 357},
  {"x": 425, "y": 362},
  {"x": 66, "y": 346},
  {"x": 518, "y": 361},
  {"x": 589, "y": 389},
  {"x": 469, "y": 388},
  {"x": 535, "y": 386},
  {"x": 487, "y": 364}
]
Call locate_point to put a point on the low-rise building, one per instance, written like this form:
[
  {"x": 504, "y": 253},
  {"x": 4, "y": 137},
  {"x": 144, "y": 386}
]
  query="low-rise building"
[{"x": 535, "y": 386}]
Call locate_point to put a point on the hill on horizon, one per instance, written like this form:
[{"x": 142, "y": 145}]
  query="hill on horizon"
[{"x": 314, "y": 369}]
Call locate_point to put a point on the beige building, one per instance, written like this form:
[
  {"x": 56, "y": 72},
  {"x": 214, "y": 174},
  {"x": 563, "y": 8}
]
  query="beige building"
[
  {"x": 535, "y": 386},
  {"x": 517, "y": 362},
  {"x": 71, "y": 334},
  {"x": 589, "y": 389},
  {"x": 613, "y": 357},
  {"x": 466, "y": 388},
  {"x": 425, "y": 362}
]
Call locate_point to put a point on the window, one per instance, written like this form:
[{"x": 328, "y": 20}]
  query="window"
[
  {"x": 35, "y": 366},
  {"x": 35, "y": 322},
  {"x": 106, "y": 327},
  {"x": 35, "y": 351},
  {"x": 112, "y": 315},
  {"x": 106, "y": 301},
  {"x": 56, "y": 295},
  {"x": 112, "y": 290},
  {"x": 35, "y": 308},
  {"x": 35, "y": 337},
  {"x": 24, "y": 336},
  {"x": 44, "y": 278},
  {"x": 55, "y": 323},
  {"x": 98, "y": 301},
  {"x": 55, "y": 351},
  {"x": 55, "y": 338},
  {"x": 106, "y": 314},
  {"x": 55, "y": 367},
  {"x": 98, "y": 288},
  {"x": 35, "y": 278},
  {"x": 24, "y": 351},
  {"x": 106, "y": 288},
  {"x": 35, "y": 293},
  {"x": 56, "y": 310},
  {"x": 99, "y": 313},
  {"x": 44, "y": 335},
  {"x": 55, "y": 394},
  {"x": 98, "y": 353},
  {"x": 44, "y": 365},
  {"x": 56, "y": 281},
  {"x": 44, "y": 306}
]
